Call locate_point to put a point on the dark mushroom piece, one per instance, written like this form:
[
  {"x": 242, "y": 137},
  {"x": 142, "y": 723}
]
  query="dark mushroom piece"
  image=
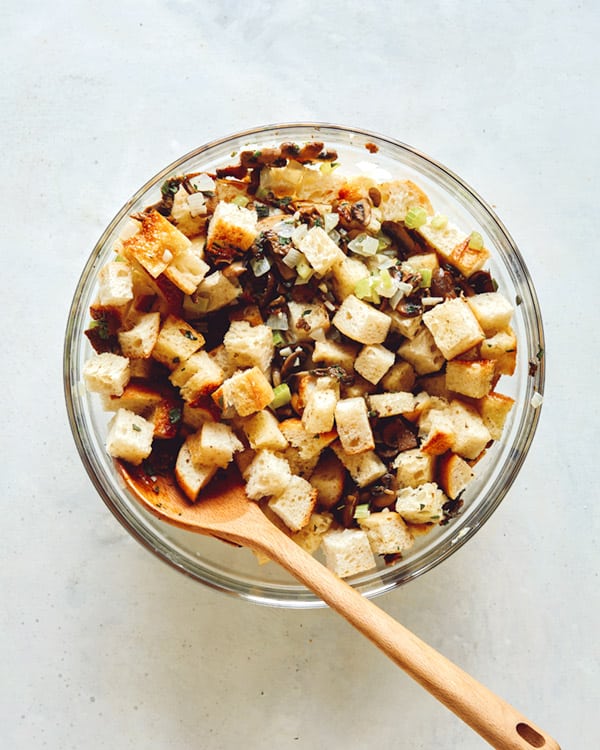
[{"x": 355, "y": 215}]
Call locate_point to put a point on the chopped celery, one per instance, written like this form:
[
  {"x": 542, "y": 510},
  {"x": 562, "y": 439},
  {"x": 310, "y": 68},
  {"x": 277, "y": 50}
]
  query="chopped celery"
[
  {"x": 281, "y": 396},
  {"x": 439, "y": 221},
  {"x": 425, "y": 277},
  {"x": 475, "y": 241},
  {"x": 278, "y": 339},
  {"x": 415, "y": 217},
  {"x": 362, "y": 288},
  {"x": 241, "y": 200},
  {"x": 362, "y": 511}
]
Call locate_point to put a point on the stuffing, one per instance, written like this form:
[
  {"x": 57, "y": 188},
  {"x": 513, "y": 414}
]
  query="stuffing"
[
  {"x": 470, "y": 378},
  {"x": 454, "y": 327},
  {"x": 155, "y": 244},
  {"x": 249, "y": 346},
  {"x": 191, "y": 477},
  {"x": 361, "y": 322},
  {"x": 320, "y": 250},
  {"x": 387, "y": 532},
  {"x": 213, "y": 445},
  {"x": 295, "y": 504},
  {"x": 231, "y": 227},
  {"x": 373, "y": 361},
  {"x": 176, "y": 342},
  {"x": 348, "y": 552},
  {"x": 248, "y": 391},
  {"x": 129, "y": 437},
  {"x": 115, "y": 284},
  {"x": 106, "y": 373},
  {"x": 414, "y": 467},
  {"x": 138, "y": 341},
  {"x": 353, "y": 427},
  {"x": 422, "y": 504},
  {"x": 267, "y": 475},
  {"x": 319, "y": 412}
]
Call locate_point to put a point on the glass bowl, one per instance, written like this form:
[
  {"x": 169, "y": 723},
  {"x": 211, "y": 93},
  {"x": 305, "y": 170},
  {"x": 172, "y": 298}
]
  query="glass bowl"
[{"x": 236, "y": 571}]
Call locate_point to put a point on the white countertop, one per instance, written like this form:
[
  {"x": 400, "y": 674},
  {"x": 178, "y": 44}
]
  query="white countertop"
[{"x": 103, "y": 646}]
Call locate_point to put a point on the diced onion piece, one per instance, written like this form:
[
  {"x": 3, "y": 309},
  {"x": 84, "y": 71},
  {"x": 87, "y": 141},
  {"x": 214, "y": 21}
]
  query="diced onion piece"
[
  {"x": 317, "y": 335},
  {"x": 293, "y": 257},
  {"x": 329, "y": 305},
  {"x": 331, "y": 221},
  {"x": 430, "y": 301},
  {"x": 241, "y": 200},
  {"x": 425, "y": 277},
  {"x": 384, "y": 240},
  {"x": 335, "y": 236},
  {"x": 204, "y": 183},
  {"x": 364, "y": 244},
  {"x": 197, "y": 204},
  {"x": 284, "y": 229},
  {"x": 286, "y": 351},
  {"x": 303, "y": 270},
  {"x": 299, "y": 233},
  {"x": 402, "y": 291},
  {"x": 385, "y": 261},
  {"x": 362, "y": 288},
  {"x": 281, "y": 396},
  {"x": 278, "y": 321},
  {"x": 537, "y": 400},
  {"x": 260, "y": 266},
  {"x": 415, "y": 217},
  {"x": 439, "y": 221},
  {"x": 475, "y": 241}
]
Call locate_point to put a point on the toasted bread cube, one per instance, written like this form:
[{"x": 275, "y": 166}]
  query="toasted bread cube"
[
  {"x": 420, "y": 261},
  {"x": 319, "y": 412},
  {"x": 422, "y": 504},
  {"x": 454, "y": 474},
  {"x": 470, "y": 433},
  {"x": 306, "y": 444},
  {"x": 295, "y": 504},
  {"x": 492, "y": 310},
  {"x": 373, "y": 361},
  {"x": 361, "y": 322},
  {"x": 328, "y": 479},
  {"x": 248, "y": 391},
  {"x": 468, "y": 259},
  {"x": 249, "y": 346},
  {"x": 187, "y": 270},
  {"x": 471, "y": 378},
  {"x": 391, "y": 404},
  {"x": 422, "y": 352},
  {"x": 220, "y": 357},
  {"x": 191, "y": 223},
  {"x": 129, "y": 437},
  {"x": 398, "y": 196},
  {"x": 232, "y": 227},
  {"x": 217, "y": 291},
  {"x": 195, "y": 415},
  {"x": 387, "y": 532},
  {"x": 334, "y": 353},
  {"x": 156, "y": 243},
  {"x": 214, "y": 445},
  {"x": 176, "y": 342},
  {"x": 414, "y": 467},
  {"x": 352, "y": 422},
  {"x": 435, "y": 385},
  {"x": 494, "y": 409},
  {"x": 206, "y": 376},
  {"x": 502, "y": 348},
  {"x": 348, "y": 552},
  {"x": 320, "y": 250},
  {"x": 281, "y": 181},
  {"x": 400, "y": 377},
  {"x": 106, "y": 373},
  {"x": 364, "y": 468},
  {"x": 453, "y": 245},
  {"x": 115, "y": 284},
  {"x": 136, "y": 397},
  {"x": 310, "y": 537},
  {"x": 438, "y": 431},
  {"x": 267, "y": 475},
  {"x": 346, "y": 274},
  {"x": 139, "y": 341},
  {"x": 358, "y": 387},
  {"x": 191, "y": 477},
  {"x": 262, "y": 431},
  {"x": 454, "y": 327},
  {"x": 307, "y": 317},
  {"x": 404, "y": 325},
  {"x": 192, "y": 365}
]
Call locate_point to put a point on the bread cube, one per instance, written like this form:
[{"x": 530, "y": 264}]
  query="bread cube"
[
  {"x": 217, "y": 291},
  {"x": 387, "y": 532},
  {"x": 231, "y": 227},
  {"x": 358, "y": 387},
  {"x": 334, "y": 353},
  {"x": 155, "y": 244},
  {"x": 454, "y": 327},
  {"x": 422, "y": 352},
  {"x": 311, "y": 535},
  {"x": 502, "y": 348},
  {"x": 106, "y": 373},
  {"x": 295, "y": 504},
  {"x": 422, "y": 504},
  {"x": 262, "y": 431},
  {"x": 364, "y": 468},
  {"x": 249, "y": 313},
  {"x": 142, "y": 369},
  {"x": 404, "y": 325},
  {"x": 328, "y": 479},
  {"x": 176, "y": 342},
  {"x": 281, "y": 181},
  {"x": 471, "y": 435},
  {"x": 453, "y": 474},
  {"x": 319, "y": 412},
  {"x": 398, "y": 196},
  {"x": 471, "y": 378},
  {"x": 307, "y": 317},
  {"x": 248, "y": 391},
  {"x": 437, "y": 430},
  {"x": 454, "y": 246},
  {"x": 346, "y": 274},
  {"x": 214, "y": 445},
  {"x": 320, "y": 250},
  {"x": 348, "y": 552},
  {"x": 196, "y": 414},
  {"x": 306, "y": 444},
  {"x": 186, "y": 270},
  {"x": 129, "y": 437},
  {"x": 136, "y": 397},
  {"x": 139, "y": 341},
  {"x": 115, "y": 284},
  {"x": 199, "y": 376},
  {"x": 373, "y": 361},
  {"x": 400, "y": 377},
  {"x": 181, "y": 215},
  {"x": 220, "y": 357},
  {"x": 352, "y": 422},
  {"x": 249, "y": 346},
  {"x": 361, "y": 322},
  {"x": 267, "y": 475},
  {"x": 191, "y": 477},
  {"x": 420, "y": 261},
  {"x": 414, "y": 467},
  {"x": 391, "y": 404},
  {"x": 494, "y": 409},
  {"x": 492, "y": 310}
]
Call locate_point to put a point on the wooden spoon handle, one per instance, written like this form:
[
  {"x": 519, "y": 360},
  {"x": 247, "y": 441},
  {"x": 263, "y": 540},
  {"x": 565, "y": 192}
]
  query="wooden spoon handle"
[{"x": 493, "y": 718}]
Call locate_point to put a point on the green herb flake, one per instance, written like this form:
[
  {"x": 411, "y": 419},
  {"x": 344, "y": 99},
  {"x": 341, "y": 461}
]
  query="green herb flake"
[
  {"x": 306, "y": 312},
  {"x": 136, "y": 427},
  {"x": 188, "y": 334},
  {"x": 174, "y": 415}
]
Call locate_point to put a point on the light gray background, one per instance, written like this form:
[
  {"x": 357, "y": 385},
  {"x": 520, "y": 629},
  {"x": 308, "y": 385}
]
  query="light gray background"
[{"x": 105, "y": 647}]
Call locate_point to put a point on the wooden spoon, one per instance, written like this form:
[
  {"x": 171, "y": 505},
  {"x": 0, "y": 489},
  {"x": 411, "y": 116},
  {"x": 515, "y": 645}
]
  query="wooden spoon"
[{"x": 225, "y": 512}]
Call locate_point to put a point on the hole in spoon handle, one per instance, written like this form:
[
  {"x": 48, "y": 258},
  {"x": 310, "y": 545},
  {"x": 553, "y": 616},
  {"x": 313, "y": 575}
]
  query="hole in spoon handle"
[{"x": 530, "y": 735}]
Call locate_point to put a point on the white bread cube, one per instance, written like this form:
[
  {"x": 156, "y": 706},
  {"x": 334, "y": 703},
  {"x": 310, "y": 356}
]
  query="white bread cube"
[
  {"x": 494, "y": 409},
  {"x": 249, "y": 346},
  {"x": 470, "y": 433},
  {"x": 310, "y": 537},
  {"x": 295, "y": 504},
  {"x": 391, "y": 404},
  {"x": 414, "y": 467},
  {"x": 353, "y": 427},
  {"x": 220, "y": 357},
  {"x": 346, "y": 274},
  {"x": 319, "y": 412},
  {"x": 190, "y": 477},
  {"x": 281, "y": 181},
  {"x": 492, "y": 310},
  {"x": 422, "y": 352},
  {"x": 358, "y": 387},
  {"x": 206, "y": 376},
  {"x": 437, "y": 430},
  {"x": 155, "y": 244},
  {"x": 387, "y": 532},
  {"x": 217, "y": 291},
  {"x": 214, "y": 445},
  {"x": 423, "y": 260},
  {"x": 348, "y": 552},
  {"x": 398, "y": 196},
  {"x": 422, "y": 504},
  {"x": 361, "y": 322},
  {"x": 329, "y": 353},
  {"x": 187, "y": 270},
  {"x": 181, "y": 215},
  {"x": 502, "y": 348},
  {"x": 306, "y": 444},
  {"x": 320, "y": 250},
  {"x": 231, "y": 227},
  {"x": 115, "y": 284},
  {"x": 454, "y": 327},
  {"x": 129, "y": 437},
  {"x": 248, "y": 391},
  {"x": 195, "y": 415},
  {"x": 328, "y": 479},
  {"x": 404, "y": 325},
  {"x": 400, "y": 377},
  {"x": 454, "y": 246},
  {"x": 453, "y": 474},
  {"x": 136, "y": 397},
  {"x": 139, "y": 341},
  {"x": 471, "y": 378},
  {"x": 267, "y": 475},
  {"x": 373, "y": 361},
  {"x": 307, "y": 317},
  {"x": 176, "y": 342},
  {"x": 262, "y": 431},
  {"x": 106, "y": 373},
  {"x": 364, "y": 468}
]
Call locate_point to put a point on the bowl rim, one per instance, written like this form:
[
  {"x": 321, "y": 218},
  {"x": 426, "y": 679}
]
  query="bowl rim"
[{"x": 386, "y": 582}]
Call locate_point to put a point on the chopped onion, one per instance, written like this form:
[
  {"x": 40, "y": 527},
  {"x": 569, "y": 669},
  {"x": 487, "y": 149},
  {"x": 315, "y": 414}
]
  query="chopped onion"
[
  {"x": 329, "y": 305},
  {"x": 537, "y": 400},
  {"x": 284, "y": 228},
  {"x": 331, "y": 221},
  {"x": 430, "y": 301},
  {"x": 335, "y": 236},
  {"x": 286, "y": 351},
  {"x": 402, "y": 291},
  {"x": 197, "y": 204},
  {"x": 299, "y": 233},
  {"x": 204, "y": 183},
  {"x": 364, "y": 244},
  {"x": 385, "y": 261},
  {"x": 318, "y": 334},
  {"x": 278, "y": 321},
  {"x": 293, "y": 257},
  {"x": 260, "y": 266}
]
